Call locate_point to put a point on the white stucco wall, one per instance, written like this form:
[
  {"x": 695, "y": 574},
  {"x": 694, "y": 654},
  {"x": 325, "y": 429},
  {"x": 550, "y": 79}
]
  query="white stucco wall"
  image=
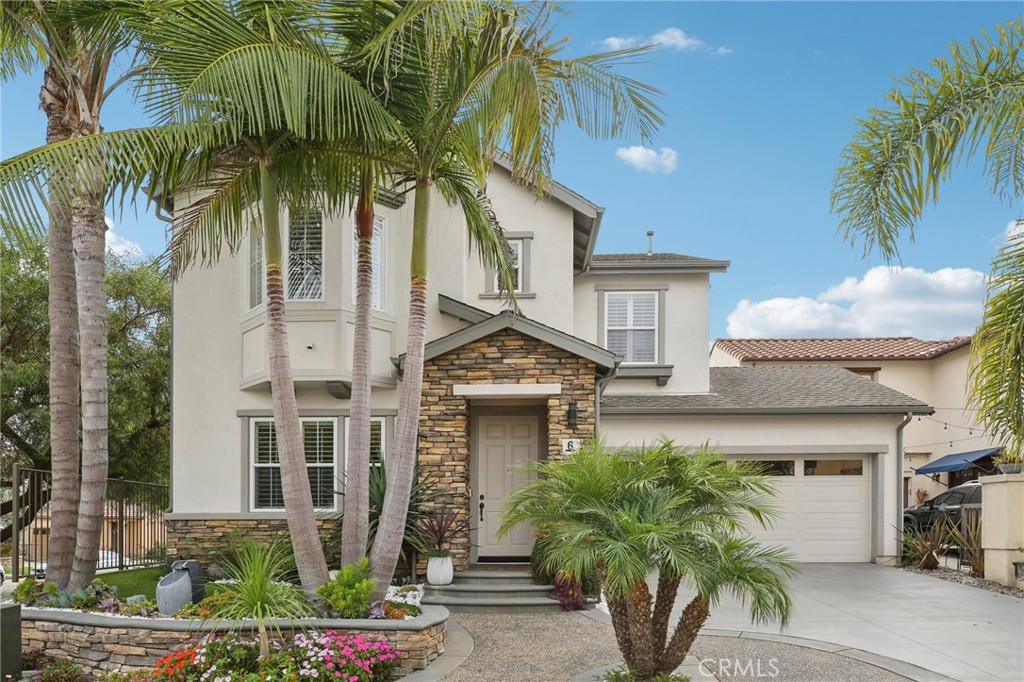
[{"x": 871, "y": 435}]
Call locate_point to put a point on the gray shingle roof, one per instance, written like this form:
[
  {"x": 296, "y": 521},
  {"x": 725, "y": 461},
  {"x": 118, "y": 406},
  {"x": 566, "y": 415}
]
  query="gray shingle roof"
[
  {"x": 646, "y": 258},
  {"x": 810, "y": 389},
  {"x": 893, "y": 348}
]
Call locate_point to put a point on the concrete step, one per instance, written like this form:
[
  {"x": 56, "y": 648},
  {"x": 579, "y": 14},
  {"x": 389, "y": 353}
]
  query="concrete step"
[
  {"x": 493, "y": 590},
  {"x": 522, "y": 577},
  {"x": 492, "y": 605}
]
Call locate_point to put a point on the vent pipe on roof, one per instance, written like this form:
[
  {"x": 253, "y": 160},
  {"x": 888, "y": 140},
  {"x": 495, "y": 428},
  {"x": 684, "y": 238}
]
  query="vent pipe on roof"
[{"x": 650, "y": 242}]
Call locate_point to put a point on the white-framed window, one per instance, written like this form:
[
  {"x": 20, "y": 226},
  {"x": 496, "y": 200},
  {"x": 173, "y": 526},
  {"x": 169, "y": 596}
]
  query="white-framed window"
[
  {"x": 319, "y": 438},
  {"x": 378, "y": 440},
  {"x": 377, "y": 294},
  {"x": 305, "y": 254},
  {"x": 255, "y": 270},
  {"x": 517, "y": 271},
  {"x": 631, "y": 325}
]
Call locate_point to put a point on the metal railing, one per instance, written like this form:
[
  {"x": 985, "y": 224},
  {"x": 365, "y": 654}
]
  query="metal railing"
[{"x": 133, "y": 532}]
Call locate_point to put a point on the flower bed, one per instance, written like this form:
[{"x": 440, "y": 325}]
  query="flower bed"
[{"x": 101, "y": 642}]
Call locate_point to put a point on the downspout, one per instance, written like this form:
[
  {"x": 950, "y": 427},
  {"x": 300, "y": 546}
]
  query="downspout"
[
  {"x": 601, "y": 384},
  {"x": 899, "y": 472}
]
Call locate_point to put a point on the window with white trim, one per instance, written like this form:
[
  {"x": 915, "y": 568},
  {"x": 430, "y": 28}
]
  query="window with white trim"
[
  {"x": 377, "y": 440},
  {"x": 517, "y": 270},
  {"x": 631, "y": 325},
  {"x": 305, "y": 254},
  {"x": 318, "y": 439},
  {"x": 255, "y": 272},
  {"x": 377, "y": 292}
]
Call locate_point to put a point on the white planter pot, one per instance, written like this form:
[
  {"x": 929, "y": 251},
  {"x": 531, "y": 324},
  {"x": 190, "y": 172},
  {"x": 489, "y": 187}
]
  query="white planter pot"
[{"x": 439, "y": 570}]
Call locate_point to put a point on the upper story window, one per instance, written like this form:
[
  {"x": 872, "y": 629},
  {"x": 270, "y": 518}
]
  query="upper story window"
[
  {"x": 318, "y": 439},
  {"x": 305, "y": 254},
  {"x": 520, "y": 244},
  {"x": 377, "y": 293},
  {"x": 517, "y": 269},
  {"x": 631, "y": 325},
  {"x": 255, "y": 271}
]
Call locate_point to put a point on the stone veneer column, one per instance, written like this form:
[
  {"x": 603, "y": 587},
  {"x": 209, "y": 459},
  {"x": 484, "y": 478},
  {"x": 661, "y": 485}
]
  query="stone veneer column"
[{"x": 505, "y": 357}]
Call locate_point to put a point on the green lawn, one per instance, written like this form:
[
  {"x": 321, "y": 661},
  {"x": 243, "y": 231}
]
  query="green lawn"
[{"x": 139, "y": 581}]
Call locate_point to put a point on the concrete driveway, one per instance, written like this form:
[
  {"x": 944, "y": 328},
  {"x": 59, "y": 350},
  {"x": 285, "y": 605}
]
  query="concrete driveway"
[{"x": 962, "y": 633}]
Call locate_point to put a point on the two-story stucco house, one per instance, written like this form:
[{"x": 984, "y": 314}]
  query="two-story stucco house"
[
  {"x": 613, "y": 344},
  {"x": 942, "y": 450}
]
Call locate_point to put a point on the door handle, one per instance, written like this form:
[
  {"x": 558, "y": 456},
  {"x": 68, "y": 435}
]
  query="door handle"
[{"x": 481, "y": 511}]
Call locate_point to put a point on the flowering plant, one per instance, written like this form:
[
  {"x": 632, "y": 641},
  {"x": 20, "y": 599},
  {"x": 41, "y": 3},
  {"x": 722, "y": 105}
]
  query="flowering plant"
[{"x": 327, "y": 656}]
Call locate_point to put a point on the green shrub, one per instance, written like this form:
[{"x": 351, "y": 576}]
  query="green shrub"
[
  {"x": 142, "y": 608},
  {"x": 28, "y": 591},
  {"x": 60, "y": 670},
  {"x": 545, "y": 574},
  {"x": 349, "y": 593},
  {"x": 921, "y": 548}
]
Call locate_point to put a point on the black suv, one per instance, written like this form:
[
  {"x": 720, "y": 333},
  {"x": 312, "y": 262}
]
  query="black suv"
[{"x": 945, "y": 505}]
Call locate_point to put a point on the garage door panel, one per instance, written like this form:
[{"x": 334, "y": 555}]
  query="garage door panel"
[{"x": 822, "y": 517}]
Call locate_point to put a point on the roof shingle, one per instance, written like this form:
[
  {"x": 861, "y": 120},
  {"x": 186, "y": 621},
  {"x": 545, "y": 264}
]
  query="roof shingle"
[
  {"x": 800, "y": 388},
  {"x": 646, "y": 258},
  {"x": 891, "y": 348}
]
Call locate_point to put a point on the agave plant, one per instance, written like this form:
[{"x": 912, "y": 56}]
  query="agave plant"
[{"x": 258, "y": 591}]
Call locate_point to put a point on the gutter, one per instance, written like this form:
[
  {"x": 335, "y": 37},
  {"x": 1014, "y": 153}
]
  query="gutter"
[
  {"x": 600, "y": 385},
  {"x": 899, "y": 473}
]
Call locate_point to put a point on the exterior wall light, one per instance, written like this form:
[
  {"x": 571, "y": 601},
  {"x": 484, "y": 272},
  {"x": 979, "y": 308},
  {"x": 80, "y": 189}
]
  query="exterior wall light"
[{"x": 573, "y": 415}]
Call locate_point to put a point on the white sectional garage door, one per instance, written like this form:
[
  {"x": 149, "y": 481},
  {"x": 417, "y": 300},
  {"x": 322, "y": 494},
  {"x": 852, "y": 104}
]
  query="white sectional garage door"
[{"x": 824, "y": 507}]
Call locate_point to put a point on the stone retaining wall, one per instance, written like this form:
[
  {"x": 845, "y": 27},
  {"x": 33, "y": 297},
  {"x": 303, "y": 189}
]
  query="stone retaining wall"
[
  {"x": 201, "y": 538},
  {"x": 100, "y": 642}
]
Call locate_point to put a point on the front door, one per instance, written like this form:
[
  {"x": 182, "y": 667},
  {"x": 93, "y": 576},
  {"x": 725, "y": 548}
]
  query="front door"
[{"x": 504, "y": 446}]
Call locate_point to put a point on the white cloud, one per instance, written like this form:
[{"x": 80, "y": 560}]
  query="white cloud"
[
  {"x": 120, "y": 245},
  {"x": 884, "y": 302},
  {"x": 648, "y": 160},
  {"x": 1013, "y": 228},
  {"x": 671, "y": 38}
]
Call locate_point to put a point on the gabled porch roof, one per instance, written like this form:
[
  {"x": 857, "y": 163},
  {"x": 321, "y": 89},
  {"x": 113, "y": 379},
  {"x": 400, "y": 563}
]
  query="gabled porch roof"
[{"x": 483, "y": 323}]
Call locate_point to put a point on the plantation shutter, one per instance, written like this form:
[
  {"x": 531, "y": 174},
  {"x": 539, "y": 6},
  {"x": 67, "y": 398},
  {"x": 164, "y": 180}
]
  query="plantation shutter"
[
  {"x": 318, "y": 439},
  {"x": 305, "y": 254},
  {"x": 631, "y": 325}
]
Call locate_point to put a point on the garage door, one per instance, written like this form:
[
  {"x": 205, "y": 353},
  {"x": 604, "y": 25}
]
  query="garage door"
[{"x": 824, "y": 507}]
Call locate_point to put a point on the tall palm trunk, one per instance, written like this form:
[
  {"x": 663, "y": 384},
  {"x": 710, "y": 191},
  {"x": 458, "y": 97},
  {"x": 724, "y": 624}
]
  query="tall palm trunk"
[
  {"x": 298, "y": 501},
  {"x": 63, "y": 376},
  {"x": 356, "y": 530},
  {"x": 89, "y": 236},
  {"x": 690, "y": 622},
  {"x": 402, "y": 467}
]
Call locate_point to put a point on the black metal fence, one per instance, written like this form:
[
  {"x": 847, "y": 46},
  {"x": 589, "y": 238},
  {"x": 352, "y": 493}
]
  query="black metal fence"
[{"x": 133, "y": 531}]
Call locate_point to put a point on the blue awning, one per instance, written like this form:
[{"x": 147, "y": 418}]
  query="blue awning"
[{"x": 957, "y": 462}]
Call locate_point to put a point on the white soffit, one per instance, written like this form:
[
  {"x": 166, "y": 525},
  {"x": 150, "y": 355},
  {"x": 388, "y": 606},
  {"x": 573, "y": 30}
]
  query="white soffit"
[{"x": 506, "y": 390}]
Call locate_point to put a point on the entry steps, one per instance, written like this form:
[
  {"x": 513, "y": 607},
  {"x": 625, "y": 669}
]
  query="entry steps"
[{"x": 493, "y": 591}]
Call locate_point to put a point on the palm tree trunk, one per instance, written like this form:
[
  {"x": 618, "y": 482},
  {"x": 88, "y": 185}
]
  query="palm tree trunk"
[
  {"x": 663, "y": 602},
  {"x": 63, "y": 376},
  {"x": 89, "y": 235},
  {"x": 402, "y": 467},
  {"x": 638, "y": 615},
  {"x": 298, "y": 501},
  {"x": 620, "y": 625},
  {"x": 690, "y": 622},
  {"x": 356, "y": 529}
]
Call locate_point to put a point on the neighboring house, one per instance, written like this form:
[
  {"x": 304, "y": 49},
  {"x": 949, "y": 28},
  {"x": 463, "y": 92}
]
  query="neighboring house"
[
  {"x": 949, "y": 443},
  {"x": 613, "y": 343}
]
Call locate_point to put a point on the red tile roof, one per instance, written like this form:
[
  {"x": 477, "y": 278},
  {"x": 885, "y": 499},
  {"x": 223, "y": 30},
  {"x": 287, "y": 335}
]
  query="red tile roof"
[{"x": 892, "y": 348}]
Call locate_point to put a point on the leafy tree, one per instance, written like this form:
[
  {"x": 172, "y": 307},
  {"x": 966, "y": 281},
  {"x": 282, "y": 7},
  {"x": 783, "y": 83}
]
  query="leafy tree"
[
  {"x": 657, "y": 509},
  {"x": 138, "y": 309},
  {"x": 76, "y": 42},
  {"x": 970, "y": 102}
]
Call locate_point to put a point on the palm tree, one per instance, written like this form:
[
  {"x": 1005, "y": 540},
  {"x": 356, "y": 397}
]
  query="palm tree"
[
  {"x": 892, "y": 168},
  {"x": 628, "y": 514},
  {"x": 494, "y": 79},
  {"x": 76, "y": 42},
  {"x": 250, "y": 108}
]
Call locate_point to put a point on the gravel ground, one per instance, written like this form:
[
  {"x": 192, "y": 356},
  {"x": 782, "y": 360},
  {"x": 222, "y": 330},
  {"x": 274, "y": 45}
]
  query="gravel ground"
[
  {"x": 955, "y": 576},
  {"x": 555, "y": 647}
]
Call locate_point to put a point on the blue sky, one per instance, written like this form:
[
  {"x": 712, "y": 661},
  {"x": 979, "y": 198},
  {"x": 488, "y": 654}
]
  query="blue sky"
[{"x": 759, "y": 100}]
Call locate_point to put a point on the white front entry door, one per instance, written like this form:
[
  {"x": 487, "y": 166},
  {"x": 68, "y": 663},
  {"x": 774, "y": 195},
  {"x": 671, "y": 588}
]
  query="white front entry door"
[{"x": 504, "y": 446}]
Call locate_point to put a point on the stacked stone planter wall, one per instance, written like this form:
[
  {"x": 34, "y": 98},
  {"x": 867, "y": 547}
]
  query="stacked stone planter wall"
[
  {"x": 100, "y": 642},
  {"x": 200, "y": 538}
]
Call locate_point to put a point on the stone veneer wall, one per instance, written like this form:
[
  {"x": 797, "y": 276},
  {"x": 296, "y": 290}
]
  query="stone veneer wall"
[
  {"x": 505, "y": 357},
  {"x": 200, "y": 538},
  {"x": 99, "y": 643}
]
